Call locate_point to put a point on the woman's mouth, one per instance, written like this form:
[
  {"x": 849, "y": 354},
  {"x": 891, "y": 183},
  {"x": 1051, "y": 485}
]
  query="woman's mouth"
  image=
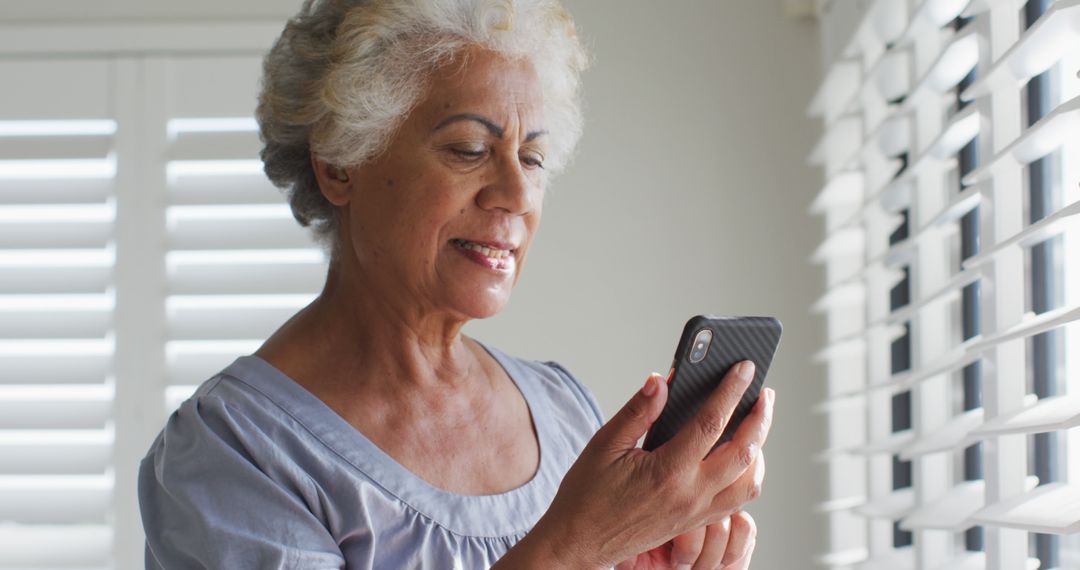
[{"x": 497, "y": 256}]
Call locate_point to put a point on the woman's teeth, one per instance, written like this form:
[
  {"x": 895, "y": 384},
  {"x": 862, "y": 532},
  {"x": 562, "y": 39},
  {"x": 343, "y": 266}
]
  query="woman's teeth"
[{"x": 487, "y": 251}]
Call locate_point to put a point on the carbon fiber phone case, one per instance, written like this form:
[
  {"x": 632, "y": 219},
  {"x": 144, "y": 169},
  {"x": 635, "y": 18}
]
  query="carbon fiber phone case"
[{"x": 734, "y": 339}]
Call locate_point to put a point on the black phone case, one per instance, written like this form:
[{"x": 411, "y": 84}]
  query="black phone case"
[{"x": 734, "y": 339}]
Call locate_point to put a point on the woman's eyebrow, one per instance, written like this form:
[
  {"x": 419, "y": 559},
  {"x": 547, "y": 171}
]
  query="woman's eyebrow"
[{"x": 487, "y": 123}]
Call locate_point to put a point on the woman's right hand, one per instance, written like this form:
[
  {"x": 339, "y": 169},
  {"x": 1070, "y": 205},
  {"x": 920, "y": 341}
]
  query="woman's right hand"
[{"x": 618, "y": 500}]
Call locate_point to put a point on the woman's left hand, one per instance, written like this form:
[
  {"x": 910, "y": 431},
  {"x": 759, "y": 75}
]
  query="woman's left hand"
[{"x": 727, "y": 545}]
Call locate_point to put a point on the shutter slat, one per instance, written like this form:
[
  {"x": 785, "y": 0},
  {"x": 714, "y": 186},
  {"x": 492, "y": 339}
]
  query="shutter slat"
[
  {"x": 954, "y": 62},
  {"x": 1048, "y": 227},
  {"x": 230, "y": 317},
  {"x": 851, "y": 294},
  {"x": 54, "y": 361},
  {"x": 843, "y": 139},
  {"x": 200, "y": 146},
  {"x": 54, "y": 191},
  {"x": 946, "y": 437},
  {"x": 54, "y": 406},
  {"x": 53, "y": 452},
  {"x": 843, "y": 190},
  {"x": 1034, "y": 143},
  {"x": 1037, "y": 49},
  {"x": 961, "y": 128},
  {"x": 57, "y": 546},
  {"x": 889, "y": 444},
  {"x": 893, "y": 136},
  {"x": 841, "y": 84},
  {"x": 891, "y": 75},
  {"x": 1053, "y": 508},
  {"x": 953, "y": 511},
  {"x": 948, "y": 292},
  {"x": 1030, "y": 326},
  {"x": 246, "y": 272},
  {"x": 269, "y": 226},
  {"x": 892, "y": 506},
  {"x": 843, "y": 558},
  {"x": 897, "y": 559},
  {"x": 949, "y": 512},
  {"x": 52, "y": 499},
  {"x": 840, "y": 348},
  {"x": 848, "y": 241},
  {"x": 55, "y": 147},
  {"x": 840, "y": 504},
  {"x": 977, "y": 561},
  {"x": 1037, "y": 416},
  {"x": 222, "y": 188},
  {"x": 932, "y": 14}
]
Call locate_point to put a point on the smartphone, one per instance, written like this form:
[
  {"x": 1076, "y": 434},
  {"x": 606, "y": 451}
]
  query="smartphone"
[{"x": 708, "y": 348}]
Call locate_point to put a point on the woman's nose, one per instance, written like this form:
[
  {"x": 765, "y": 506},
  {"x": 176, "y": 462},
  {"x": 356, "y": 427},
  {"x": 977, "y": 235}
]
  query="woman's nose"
[{"x": 510, "y": 190}]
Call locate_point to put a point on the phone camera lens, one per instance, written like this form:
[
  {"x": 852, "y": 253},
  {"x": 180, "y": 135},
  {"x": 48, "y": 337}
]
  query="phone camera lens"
[{"x": 701, "y": 345}]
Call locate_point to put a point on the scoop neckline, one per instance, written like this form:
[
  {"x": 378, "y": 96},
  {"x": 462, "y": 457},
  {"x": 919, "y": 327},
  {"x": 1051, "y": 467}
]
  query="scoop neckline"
[{"x": 468, "y": 515}]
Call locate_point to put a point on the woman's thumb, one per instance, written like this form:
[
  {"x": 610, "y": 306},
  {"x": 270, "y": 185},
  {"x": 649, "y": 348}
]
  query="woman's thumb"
[{"x": 626, "y": 427}]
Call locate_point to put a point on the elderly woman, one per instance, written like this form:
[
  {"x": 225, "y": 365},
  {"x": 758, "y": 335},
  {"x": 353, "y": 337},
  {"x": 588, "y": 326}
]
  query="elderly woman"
[{"x": 415, "y": 138}]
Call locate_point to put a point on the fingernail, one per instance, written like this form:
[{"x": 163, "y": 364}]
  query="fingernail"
[
  {"x": 649, "y": 389},
  {"x": 746, "y": 370},
  {"x": 683, "y": 567}
]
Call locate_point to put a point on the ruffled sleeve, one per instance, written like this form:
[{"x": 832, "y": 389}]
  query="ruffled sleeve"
[{"x": 217, "y": 491}]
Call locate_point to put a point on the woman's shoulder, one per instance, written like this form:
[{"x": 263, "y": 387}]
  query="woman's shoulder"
[{"x": 228, "y": 404}]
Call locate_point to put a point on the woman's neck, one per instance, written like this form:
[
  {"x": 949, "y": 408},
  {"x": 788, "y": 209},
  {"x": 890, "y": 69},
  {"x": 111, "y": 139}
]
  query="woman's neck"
[{"x": 355, "y": 332}]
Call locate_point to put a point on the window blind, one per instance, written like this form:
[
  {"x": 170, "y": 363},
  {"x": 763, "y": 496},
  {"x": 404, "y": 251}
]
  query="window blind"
[
  {"x": 57, "y": 180},
  {"x": 951, "y": 153},
  {"x": 141, "y": 250},
  {"x": 237, "y": 263}
]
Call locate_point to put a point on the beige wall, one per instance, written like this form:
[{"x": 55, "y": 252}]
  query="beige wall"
[{"x": 689, "y": 195}]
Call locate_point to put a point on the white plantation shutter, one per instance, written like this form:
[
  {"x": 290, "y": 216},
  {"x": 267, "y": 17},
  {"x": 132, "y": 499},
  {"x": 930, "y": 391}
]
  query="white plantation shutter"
[
  {"x": 951, "y": 153},
  {"x": 141, "y": 250},
  {"x": 57, "y": 183},
  {"x": 238, "y": 265}
]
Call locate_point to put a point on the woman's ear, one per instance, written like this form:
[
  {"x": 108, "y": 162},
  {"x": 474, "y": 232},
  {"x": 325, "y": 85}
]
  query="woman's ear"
[{"x": 334, "y": 181}]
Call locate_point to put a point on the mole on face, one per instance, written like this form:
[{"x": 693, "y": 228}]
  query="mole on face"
[
  {"x": 462, "y": 211},
  {"x": 389, "y": 181}
]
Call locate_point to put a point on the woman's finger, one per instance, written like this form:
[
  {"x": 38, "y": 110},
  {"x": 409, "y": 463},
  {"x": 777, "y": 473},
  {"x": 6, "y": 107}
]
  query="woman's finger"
[
  {"x": 744, "y": 562},
  {"x": 741, "y": 539},
  {"x": 745, "y": 489},
  {"x": 716, "y": 541},
  {"x": 626, "y": 427},
  {"x": 686, "y": 548},
  {"x": 695, "y": 439},
  {"x": 748, "y": 439}
]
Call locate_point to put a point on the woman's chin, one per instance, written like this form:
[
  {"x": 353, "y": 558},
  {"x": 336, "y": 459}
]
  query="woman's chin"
[{"x": 481, "y": 304}]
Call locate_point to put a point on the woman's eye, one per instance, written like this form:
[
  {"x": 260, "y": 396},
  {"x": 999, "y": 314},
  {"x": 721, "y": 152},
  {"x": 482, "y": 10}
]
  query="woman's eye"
[
  {"x": 468, "y": 153},
  {"x": 533, "y": 160}
]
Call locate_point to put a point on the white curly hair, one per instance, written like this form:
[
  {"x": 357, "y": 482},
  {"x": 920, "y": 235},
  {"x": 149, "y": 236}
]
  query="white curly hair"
[{"x": 345, "y": 73}]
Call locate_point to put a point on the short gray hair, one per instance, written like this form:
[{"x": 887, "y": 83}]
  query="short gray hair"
[{"x": 345, "y": 73}]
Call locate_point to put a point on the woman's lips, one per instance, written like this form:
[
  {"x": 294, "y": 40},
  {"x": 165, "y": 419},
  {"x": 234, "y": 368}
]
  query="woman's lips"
[{"x": 493, "y": 255}]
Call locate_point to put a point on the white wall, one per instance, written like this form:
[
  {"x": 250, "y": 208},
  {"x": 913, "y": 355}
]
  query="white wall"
[{"x": 689, "y": 195}]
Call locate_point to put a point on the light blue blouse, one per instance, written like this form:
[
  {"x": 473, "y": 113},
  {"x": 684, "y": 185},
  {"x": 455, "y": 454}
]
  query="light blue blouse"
[{"x": 254, "y": 471}]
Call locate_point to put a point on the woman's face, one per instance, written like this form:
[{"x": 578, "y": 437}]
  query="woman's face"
[{"x": 444, "y": 217}]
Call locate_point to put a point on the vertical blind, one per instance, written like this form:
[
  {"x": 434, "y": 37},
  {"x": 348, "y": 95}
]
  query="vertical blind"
[
  {"x": 141, "y": 250},
  {"x": 951, "y": 152}
]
